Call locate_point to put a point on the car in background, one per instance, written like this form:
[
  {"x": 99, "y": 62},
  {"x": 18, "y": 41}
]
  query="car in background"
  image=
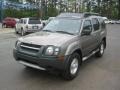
[
  {"x": 17, "y": 20},
  {"x": 118, "y": 22},
  {"x": 113, "y": 21},
  {"x": 28, "y": 25},
  {"x": 8, "y": 22},
  {"x": 107, "y": 21}
]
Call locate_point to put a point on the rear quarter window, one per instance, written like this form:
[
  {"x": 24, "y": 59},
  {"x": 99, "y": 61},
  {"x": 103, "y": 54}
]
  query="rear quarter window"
[
  {"x": 21, "y": 21},
  {"x": 24, "y": 21},
  {"x": 102, "y": 22}
]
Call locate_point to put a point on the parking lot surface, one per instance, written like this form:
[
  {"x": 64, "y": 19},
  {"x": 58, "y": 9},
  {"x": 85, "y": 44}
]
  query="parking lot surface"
[{"x": 95, "y": 73}]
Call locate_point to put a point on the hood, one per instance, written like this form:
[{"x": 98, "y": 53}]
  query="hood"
[{"x": 47, "y": 38}]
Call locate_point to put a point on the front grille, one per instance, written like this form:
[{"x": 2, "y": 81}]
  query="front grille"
[{"x": 30, "y": 47}]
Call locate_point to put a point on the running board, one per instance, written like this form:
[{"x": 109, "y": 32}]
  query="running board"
[
  {"x": 31, "y": 65},
  {"x": 85, "y": 58}
]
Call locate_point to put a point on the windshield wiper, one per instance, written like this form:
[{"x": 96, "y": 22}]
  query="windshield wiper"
[{"x": 65, "y": 32}]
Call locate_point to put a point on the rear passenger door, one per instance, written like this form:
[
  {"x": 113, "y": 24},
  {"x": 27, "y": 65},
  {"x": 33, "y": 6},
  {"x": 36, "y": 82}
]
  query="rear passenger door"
[{"x": 96, "y": 31}]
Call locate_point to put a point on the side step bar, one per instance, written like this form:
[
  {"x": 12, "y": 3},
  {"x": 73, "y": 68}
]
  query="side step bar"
[
  {"x": 31, "y": 65},
  {"x": 86, "y": 57}
]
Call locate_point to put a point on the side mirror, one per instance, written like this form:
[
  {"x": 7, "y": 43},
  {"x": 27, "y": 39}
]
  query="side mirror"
[{"x": 86, "y": 32}]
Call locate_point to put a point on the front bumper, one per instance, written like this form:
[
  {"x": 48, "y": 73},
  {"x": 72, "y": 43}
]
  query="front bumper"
[{"x": 43, "y": 63}]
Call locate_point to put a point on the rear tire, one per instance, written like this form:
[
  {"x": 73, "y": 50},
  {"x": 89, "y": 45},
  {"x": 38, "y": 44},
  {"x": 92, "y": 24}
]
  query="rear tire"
[
  {"x": 101, "y": 50},
  {"x": 22, "y": 33},
  {"x": 4, "y": 26},
  {"x": 73, "y": 67}
]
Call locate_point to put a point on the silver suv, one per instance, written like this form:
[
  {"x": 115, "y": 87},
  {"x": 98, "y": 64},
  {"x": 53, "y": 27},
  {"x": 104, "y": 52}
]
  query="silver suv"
[
  {"x": 63, "y": 44},
  {"x": 28, "y": 25}
]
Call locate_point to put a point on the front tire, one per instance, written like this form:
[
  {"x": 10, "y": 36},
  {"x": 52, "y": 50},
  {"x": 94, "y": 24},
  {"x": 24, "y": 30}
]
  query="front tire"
[
  {"x": 73, "y": 67},
  {"x": 101, "y": 50}
]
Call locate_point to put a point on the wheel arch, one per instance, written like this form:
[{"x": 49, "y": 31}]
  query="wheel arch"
[{"x": 79, "y": 52}]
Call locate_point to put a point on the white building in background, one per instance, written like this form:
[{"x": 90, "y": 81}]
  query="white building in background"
[{"x": 23, "y": 1}]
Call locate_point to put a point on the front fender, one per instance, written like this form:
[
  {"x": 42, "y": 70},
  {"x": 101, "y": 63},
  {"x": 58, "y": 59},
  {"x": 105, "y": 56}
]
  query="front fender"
[{"x": 72, "y": 47}]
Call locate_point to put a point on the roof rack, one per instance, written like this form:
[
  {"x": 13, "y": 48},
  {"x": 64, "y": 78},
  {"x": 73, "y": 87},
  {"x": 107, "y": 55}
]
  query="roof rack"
[
  {"x": 87, "y": 14},
  {"x": 77, "y": 15}
]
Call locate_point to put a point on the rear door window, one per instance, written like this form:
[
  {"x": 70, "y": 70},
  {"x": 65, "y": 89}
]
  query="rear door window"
[{"x": 96, "y": 24}]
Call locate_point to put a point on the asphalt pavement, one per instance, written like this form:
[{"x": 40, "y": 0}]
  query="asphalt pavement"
[{"x": 95, "y": 73}]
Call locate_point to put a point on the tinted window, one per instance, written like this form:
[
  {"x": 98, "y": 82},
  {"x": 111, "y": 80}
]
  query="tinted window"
[
  {"x": 96, "y": 25},
  {"x": 102, "y": 22},
  {"x": 21, "y": 20},
  {"x": 34, "y": 21},
  {"x": 87, "y": 25},
  {"x": 25, "y": 21}
]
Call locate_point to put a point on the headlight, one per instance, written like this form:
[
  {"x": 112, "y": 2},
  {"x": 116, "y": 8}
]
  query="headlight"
[
  {"x": 51, "y": 50},
  {"x": 17, "y": 43}
]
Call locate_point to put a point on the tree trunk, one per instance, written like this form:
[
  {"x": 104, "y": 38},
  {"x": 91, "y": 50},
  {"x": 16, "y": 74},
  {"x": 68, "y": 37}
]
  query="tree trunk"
[
  {"x": 118, "y": 9},
  {"x": 99, "y": 8}
]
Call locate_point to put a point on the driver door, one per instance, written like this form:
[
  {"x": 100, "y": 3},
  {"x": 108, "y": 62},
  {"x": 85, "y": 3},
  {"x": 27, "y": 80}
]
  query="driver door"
[{"x": 87, "y": 39}]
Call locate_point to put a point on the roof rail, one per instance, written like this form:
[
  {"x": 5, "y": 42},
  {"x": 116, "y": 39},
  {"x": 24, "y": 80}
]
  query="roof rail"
[{"x": 87, "y": 14}]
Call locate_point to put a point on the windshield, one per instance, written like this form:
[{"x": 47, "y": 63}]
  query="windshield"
[{"x": 64, "y": 25}]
